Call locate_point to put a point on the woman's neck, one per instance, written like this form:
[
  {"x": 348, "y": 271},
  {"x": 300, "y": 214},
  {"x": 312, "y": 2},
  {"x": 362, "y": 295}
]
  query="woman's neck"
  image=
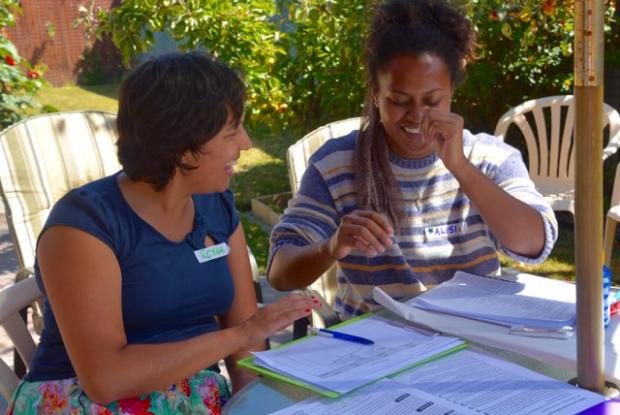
[{"x": 170, "y": 210}]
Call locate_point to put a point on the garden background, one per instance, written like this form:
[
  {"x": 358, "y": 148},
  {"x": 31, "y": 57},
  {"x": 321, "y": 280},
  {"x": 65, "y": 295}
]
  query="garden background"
[{"x": 303, "y": 62}]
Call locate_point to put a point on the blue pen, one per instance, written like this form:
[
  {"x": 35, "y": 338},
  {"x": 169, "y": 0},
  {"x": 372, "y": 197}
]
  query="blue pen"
[{"x": 339, "y": 335}]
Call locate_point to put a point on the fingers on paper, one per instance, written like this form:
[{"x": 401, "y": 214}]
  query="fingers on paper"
[{"x": 284, "y": 311}]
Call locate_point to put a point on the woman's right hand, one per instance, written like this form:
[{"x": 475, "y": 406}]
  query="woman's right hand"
[
  {"x": 278, "y": 315},
  {"x": 365, "y": 230}
]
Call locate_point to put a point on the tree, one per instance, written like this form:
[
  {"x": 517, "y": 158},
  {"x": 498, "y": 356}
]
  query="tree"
[{"x": 19, "y": 80}]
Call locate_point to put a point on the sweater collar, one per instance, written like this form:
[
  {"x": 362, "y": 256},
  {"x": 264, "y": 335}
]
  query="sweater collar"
[{"x": 413, "y": 163}]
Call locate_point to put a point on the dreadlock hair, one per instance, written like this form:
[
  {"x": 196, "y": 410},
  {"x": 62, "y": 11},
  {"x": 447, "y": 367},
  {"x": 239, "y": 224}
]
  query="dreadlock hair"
[{"x": 403, "y": 27}]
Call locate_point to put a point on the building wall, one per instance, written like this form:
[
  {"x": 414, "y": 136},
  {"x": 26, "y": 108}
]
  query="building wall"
[{"x": 63, "y": 52}]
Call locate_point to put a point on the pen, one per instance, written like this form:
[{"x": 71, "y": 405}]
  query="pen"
[
  {"x": 339, "y": 335},
  {"x": 557, "y": 333}
]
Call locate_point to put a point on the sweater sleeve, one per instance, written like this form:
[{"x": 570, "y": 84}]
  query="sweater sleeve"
[
  {"x": 311, "y": 215},
  {"x": 513, "y": 177}
]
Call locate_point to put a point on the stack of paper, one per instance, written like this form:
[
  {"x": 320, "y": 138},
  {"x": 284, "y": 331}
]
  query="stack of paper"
[
  {"x": 527, "y": 300},
  {"x": 464, "y": 383},
  {"x": 332, "y": 366}
]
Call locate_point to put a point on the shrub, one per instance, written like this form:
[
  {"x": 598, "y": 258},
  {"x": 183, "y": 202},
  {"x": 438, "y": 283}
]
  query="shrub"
[
  {"x": 525, "y": 52},
  {"x": 18, "y": 78},
  {"x": 303, "y": 58}
]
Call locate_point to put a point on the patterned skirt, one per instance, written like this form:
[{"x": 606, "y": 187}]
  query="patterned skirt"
[{"x": 204, "y": 393}]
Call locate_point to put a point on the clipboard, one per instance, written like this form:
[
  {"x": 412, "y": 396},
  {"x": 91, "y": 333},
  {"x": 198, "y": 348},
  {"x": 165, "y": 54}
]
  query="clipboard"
[{"x": 248, "y": 363}]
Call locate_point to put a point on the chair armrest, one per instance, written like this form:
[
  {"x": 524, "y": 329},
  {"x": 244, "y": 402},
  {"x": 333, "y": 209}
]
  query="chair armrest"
[
  {"x": 37, "y": 306},
  {"x": 24, "y": 273}
]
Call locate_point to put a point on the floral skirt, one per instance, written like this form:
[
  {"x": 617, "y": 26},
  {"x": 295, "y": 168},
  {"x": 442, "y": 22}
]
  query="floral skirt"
[{"x": 204, "y": 393}]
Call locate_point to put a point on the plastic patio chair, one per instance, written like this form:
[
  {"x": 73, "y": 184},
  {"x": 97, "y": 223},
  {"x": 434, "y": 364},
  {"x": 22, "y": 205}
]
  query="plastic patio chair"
[
  {"x": 13, "y": 299},
  {"x": 547, "y": 126},
  {"x": 41, "y": 159},
  {"x": 297, "y": 157},
  {"x": 612, "y": 218}
]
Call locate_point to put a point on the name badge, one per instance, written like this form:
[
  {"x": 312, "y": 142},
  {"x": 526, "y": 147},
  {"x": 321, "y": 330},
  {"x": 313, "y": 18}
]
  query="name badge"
[
  {"x": 444, "y": 230},
  {"x": 212, "y": 252}
]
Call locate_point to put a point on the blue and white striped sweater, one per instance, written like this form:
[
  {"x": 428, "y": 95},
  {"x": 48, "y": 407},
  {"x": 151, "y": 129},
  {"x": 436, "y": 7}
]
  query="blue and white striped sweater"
[{"x": 442, "y": 232}]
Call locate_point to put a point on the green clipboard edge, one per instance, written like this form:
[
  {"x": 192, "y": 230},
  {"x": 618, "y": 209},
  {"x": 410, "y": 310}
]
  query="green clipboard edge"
[{"x": 248, "y": 363}]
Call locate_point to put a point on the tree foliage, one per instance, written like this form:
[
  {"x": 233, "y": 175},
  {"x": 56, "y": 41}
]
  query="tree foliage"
[
  {"x": 525, "y": 52},
  {"x": 303, "y": 58},
  {"x": 19, "y": 79}
]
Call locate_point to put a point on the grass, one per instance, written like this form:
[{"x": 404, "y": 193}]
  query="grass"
[
  {"x": 262, "y": 171},
  {"x": 73, "y": 97}
]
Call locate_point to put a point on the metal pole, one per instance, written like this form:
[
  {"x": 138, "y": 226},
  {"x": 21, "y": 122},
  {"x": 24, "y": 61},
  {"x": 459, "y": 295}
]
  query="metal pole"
[{"x": 589, "y": 49}]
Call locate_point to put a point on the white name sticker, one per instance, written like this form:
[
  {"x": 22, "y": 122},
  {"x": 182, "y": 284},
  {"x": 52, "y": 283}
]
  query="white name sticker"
[
  {"x": 212, "y": 252},
  {"x": 444, "y": 230}
]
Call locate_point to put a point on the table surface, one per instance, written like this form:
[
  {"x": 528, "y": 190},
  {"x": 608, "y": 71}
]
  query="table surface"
[{"x": 553, "y": 357}]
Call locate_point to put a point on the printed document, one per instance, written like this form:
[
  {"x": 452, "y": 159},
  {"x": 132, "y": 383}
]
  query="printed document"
[
  {"x": 341, "y": 366},
  {"x": 527, "y": 300},
  {"x": 466, "y": 383},
  {"x": 385, "y": 397},
  {"x": 490, "y": 385}
]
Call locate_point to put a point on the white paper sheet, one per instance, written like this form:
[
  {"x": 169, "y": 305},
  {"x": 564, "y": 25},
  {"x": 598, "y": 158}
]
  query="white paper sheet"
[
  {"x": 492, "y": 386},
  {"x": 342, "y": 366},
  {"x": 385, "y": 397},
  {"x": 465, "y": 383},
  {"x": 528, "y": 300}
]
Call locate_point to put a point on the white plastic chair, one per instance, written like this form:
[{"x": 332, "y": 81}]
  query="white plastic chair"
[
  {"x": 13, "y": 299},
  {"x": 547, "y": 125},
  {"x": 41, "y": 159},
  {"x": 612, "y": 218},
  {"x": 297, "y": 157}
]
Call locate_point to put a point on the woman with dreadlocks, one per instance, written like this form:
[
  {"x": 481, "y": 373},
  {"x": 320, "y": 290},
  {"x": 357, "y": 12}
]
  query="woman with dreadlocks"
[{"x": 411, "y": 197}]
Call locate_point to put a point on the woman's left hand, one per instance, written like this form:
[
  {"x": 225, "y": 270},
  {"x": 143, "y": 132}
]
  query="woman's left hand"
[{"x": 446, "y": 128}]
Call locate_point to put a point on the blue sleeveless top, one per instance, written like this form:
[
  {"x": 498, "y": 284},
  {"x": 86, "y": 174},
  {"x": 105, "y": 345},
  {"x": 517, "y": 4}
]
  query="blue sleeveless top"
[{"x": 167, "y": 295}]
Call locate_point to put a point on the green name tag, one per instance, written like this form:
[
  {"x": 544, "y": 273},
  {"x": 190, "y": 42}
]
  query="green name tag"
[{"x": 212, "y": 252}]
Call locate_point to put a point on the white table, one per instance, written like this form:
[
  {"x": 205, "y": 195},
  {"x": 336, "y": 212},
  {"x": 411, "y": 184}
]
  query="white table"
[{"x": 554, "y": 357}]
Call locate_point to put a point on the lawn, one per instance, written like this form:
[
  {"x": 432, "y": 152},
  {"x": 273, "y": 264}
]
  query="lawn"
[{"x": 262, "y": 171}]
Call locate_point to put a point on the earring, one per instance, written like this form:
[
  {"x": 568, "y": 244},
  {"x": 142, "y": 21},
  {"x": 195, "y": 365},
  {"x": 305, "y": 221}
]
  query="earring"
[{"x": 375, "y": 101}]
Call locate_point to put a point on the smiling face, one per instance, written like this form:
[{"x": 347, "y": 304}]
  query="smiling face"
[
  {"x": 217, "y": 158},
  {"x": 405, "y": 89}
]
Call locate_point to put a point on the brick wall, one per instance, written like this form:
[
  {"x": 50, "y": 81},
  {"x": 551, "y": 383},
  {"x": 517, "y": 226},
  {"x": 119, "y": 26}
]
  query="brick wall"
[{"x": 63, "y": 53}]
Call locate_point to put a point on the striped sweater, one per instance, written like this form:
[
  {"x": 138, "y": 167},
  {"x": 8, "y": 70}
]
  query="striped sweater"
[{"x": 441, "y": 233}]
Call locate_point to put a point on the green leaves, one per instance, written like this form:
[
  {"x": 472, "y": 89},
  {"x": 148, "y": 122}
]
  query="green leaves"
[
  {"x": 19, "y": 80},
  {"x": 303, "y": 58}
]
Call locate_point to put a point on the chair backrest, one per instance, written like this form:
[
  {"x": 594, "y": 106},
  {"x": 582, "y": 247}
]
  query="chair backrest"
[
  {"x": 45, "y": 156},
  {"x": 297, "y": 158},
  {"x": 298, "y": 154},
  {"x": 550, "y": 147},
  {"x": 13, "y": 299}
]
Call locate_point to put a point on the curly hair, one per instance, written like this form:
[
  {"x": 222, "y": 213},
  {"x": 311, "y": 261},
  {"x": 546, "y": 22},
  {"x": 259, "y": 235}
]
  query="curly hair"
[
  {"x": 172, "y": 104},
  {"x": 403, "y": 27}
]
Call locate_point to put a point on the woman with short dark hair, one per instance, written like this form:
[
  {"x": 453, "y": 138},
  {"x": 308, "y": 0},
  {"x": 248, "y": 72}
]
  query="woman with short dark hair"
[
  {"x": 411, "y": 197},
  {"x": 146, "y": 272}
]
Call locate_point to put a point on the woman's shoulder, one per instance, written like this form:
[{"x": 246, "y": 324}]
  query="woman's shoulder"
[
  {"x": 224, "y": 199},
  {"x": 100, "y": 193},
  {"x": 486, "y": 145},
  {"x": 217, "y": 211}
]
